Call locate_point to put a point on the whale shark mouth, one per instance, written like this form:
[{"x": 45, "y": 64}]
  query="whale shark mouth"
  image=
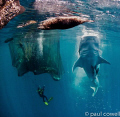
[{"x": 89, "y": 53}]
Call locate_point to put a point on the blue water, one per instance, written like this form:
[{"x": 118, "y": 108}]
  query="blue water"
[{"x": 72, "y": 96}]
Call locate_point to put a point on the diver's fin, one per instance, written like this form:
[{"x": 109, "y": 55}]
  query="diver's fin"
[
  {"x": 50, "y": 99},
  {"x": 101, "y": 60},
  {"x": 95, "y": 89},
  {"x": 46, "y": 103},
  {"x": 78, "y": 63}
]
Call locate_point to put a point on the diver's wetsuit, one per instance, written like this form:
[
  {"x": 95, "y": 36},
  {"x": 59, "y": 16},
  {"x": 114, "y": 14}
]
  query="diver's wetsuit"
[{"x": 41, "y": 93}]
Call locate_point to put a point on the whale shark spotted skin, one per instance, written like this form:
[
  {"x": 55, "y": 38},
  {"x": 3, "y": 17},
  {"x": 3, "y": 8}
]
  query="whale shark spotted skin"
[{"x": 90, "y": 59}]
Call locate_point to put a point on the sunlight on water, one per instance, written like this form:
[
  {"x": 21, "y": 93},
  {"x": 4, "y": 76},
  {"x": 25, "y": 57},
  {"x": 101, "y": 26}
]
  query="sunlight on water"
[
  {"x": 79, "y": 75},
  {"x": 40, "y": 41}
]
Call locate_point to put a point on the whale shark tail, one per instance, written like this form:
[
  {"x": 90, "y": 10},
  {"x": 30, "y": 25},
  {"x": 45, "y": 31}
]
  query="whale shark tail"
[
  {"x": 95, "y": 89},
  {"x": 96, "y": 86}
]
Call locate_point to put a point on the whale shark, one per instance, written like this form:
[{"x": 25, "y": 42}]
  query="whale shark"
[{"x": 90, "y": 59}]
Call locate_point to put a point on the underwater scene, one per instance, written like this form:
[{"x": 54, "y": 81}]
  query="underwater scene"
[{"x": 59, "y": 58}]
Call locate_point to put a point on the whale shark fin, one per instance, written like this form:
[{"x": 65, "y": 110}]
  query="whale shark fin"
[
  {"x": 101, "y": 60},
  {"x": 95, "y": 89},
  {"x": 78, "y": 64}
]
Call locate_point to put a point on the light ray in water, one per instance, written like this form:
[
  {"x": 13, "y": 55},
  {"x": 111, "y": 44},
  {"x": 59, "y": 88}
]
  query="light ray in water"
[{"x": 40, "y": 41}]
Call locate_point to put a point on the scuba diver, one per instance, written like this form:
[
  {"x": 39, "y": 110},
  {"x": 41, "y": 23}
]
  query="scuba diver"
[{"x": 41, "y": 93}]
